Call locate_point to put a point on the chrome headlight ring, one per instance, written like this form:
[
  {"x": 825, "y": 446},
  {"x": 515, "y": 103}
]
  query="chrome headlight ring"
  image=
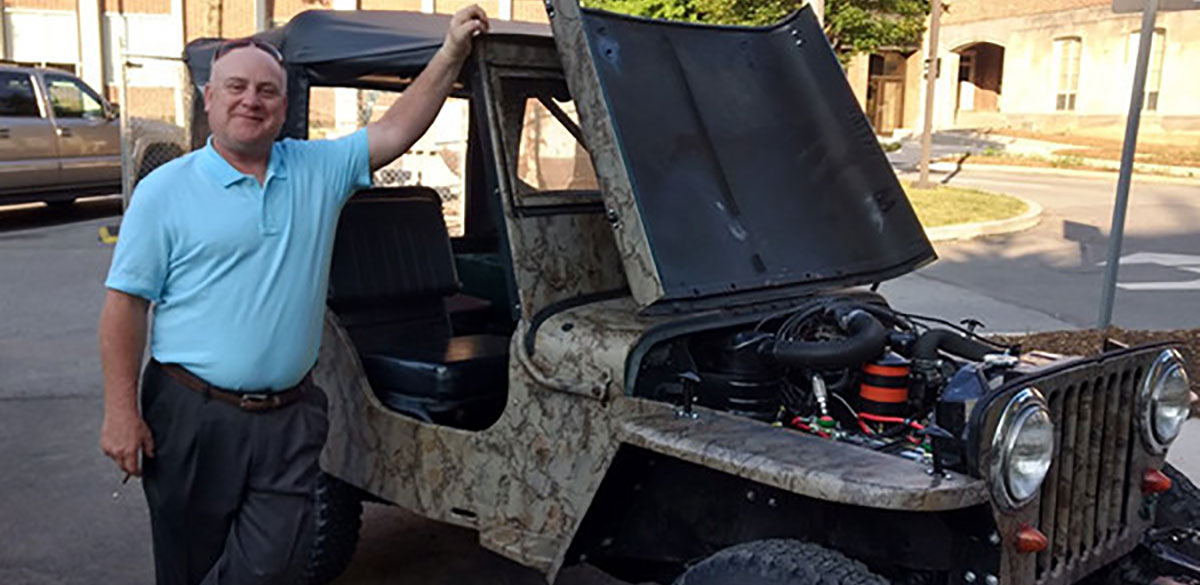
[
  {"x": 1164, "y": 401},
  {"x": 1022, "y": 449}
]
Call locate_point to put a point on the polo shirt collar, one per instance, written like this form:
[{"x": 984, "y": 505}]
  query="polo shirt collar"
[{"x": 227, "y": 175}]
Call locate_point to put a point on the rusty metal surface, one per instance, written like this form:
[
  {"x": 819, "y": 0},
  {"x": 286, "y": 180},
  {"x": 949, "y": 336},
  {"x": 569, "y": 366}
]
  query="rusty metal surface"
[
  {"x": 623, "y": 211},
  {"x": 1089, "y": 506},
  {"x": 586, "y": 347},
  {"x": 800, "y": 463}
]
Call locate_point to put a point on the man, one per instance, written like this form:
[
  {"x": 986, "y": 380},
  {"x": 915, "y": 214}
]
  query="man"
[{"x": 232, "y": 244}]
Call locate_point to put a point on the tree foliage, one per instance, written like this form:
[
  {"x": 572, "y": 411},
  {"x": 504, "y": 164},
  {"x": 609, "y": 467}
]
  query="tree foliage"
[{"x": 853, "y": 26}]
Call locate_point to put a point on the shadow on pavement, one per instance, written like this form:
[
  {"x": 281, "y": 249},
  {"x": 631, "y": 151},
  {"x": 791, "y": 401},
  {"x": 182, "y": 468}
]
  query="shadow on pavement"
[{"x": 35, "y": 215}]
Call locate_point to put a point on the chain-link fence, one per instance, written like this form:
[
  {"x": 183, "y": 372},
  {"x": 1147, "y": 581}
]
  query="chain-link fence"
[{"x": 154, "y": 114}]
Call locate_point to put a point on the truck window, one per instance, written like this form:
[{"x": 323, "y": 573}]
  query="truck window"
[
  {"x": 71, "y": 99},
  {"x": 550, "y": 158},
  {"x": 17, "y": 99},
  {"x": 551, "y": 169}
]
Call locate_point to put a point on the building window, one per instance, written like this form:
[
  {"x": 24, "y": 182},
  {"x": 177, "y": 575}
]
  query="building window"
[
  {"x": 1158, "y": 47},
  {"x": 1066, "y": 59}
]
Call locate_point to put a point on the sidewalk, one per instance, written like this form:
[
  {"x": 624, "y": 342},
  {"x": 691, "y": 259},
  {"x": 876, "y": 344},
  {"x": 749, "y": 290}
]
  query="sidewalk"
[
  {"x": 916, "y": 293},
  {"x": 956, "y": 143}
]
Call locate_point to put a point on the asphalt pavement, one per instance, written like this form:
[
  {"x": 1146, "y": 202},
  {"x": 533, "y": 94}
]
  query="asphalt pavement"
[
  {"x": 1052, "y": 274},
  {"x": 65, "y": 518}
]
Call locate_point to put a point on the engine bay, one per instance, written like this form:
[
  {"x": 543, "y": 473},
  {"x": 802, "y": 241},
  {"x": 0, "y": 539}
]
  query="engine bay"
[{"x": 841, "y": 368}]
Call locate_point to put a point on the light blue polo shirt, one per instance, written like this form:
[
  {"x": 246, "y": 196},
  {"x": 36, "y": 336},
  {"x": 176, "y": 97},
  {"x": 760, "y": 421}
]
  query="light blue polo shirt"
[{"x": 237, "y": 271}]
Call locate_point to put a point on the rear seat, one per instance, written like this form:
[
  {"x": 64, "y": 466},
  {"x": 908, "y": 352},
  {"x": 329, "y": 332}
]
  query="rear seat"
[{"x": 392, "y": 271}]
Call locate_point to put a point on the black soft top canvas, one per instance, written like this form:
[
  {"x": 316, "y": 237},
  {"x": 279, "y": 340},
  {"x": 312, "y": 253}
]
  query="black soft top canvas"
[
  {"x": 359, "y": 42},
  {"x": 750, "y": 160}
]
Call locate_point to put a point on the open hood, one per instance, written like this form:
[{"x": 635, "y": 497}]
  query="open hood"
[{"x": 733, "y": 161}]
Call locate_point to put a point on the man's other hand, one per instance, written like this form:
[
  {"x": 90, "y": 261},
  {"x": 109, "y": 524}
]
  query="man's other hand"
[
  {"x": 123, "y": 436},
  {"x": 465, "y": 25}
]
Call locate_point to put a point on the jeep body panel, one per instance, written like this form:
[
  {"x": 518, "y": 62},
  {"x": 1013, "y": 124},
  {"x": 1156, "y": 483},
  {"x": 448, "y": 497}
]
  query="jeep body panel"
[
  {"x": 736, "y": 162},
  {"x": 527, "y": 482}
]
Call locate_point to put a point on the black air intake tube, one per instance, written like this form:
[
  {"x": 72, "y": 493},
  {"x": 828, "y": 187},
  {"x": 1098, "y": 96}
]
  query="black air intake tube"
[
  {"x": 927, "y": 345},
  {"x": 866, "y": 338}
]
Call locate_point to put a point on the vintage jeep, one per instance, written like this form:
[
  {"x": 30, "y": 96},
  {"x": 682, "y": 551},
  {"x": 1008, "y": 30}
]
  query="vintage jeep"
[{"x": 656, "y": 345}]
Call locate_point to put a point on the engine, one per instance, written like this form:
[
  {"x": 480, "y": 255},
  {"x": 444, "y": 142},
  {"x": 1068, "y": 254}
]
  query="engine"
[{"x": 845, "y": 369}]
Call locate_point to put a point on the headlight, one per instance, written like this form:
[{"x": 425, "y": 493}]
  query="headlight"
[
  {"x": 1165, "y": 400},
  {"x": 1024, "y": 448}
]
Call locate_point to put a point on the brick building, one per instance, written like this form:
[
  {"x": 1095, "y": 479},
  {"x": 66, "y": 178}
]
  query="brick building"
[{"x": 1046, "y": 65}]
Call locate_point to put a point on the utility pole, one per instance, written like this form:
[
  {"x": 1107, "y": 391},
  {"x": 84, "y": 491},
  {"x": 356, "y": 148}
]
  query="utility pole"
[{"x": 931, "y": 74}]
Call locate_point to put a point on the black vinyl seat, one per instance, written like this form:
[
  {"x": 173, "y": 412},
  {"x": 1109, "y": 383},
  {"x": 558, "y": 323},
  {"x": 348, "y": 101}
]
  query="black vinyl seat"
[{"x": 392, "y": 272}]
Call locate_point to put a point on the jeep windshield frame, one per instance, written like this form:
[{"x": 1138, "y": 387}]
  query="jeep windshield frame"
[{"x": 735, "y": 162}]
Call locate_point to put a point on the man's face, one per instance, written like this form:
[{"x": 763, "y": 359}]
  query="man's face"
[{"x": 245, "y": 99}]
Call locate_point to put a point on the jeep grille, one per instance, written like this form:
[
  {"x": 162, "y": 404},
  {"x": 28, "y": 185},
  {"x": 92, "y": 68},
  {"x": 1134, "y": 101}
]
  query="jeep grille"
[{"x": 1085, "y": 500}]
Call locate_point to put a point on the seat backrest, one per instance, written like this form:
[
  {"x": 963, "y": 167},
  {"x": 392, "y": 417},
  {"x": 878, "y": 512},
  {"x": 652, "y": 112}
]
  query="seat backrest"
[
  {"x": 392, "y": 266},
  {"x": 391, "y": 245}
]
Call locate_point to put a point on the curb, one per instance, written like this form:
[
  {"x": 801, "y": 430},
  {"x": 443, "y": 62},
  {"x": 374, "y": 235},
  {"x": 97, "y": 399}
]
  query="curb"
[
  {"x": 967, "y": 231},
  {"x": 948, "y": 167}
]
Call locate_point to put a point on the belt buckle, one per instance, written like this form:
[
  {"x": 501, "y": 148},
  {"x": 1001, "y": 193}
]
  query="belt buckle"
[{"x": 258, "y": 401}]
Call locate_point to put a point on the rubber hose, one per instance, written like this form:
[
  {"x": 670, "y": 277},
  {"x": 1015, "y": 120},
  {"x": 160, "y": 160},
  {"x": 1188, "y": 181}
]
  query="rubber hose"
[
  {"x": 927, "y": 345},
  {"x": 866, "y": 338}
]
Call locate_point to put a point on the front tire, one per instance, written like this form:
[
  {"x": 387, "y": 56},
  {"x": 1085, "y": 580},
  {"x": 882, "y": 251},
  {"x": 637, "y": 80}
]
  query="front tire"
[
  {"x": 779, "y": 562},
  {"x": 337, "y": 516}
]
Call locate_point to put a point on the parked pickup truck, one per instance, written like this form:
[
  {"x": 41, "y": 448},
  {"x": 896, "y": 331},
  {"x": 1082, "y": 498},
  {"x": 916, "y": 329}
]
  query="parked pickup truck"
[{"x": 59, "y": 139}]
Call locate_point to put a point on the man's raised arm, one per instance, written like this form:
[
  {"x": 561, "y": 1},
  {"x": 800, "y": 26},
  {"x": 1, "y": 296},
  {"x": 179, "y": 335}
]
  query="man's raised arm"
[{"x": 412, "y": 114}]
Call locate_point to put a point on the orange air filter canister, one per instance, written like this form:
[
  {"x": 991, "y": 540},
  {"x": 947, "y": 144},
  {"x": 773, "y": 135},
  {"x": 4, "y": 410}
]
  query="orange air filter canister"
[{"x": 884, "y": 388}]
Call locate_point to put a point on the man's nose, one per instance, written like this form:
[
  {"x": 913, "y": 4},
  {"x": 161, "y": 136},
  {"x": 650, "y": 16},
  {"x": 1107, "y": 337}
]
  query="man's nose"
[{"x": 253, "y": 99}]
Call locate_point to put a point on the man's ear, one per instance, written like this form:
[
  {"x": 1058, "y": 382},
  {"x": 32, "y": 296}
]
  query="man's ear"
[{"x": 207, "y": 95}]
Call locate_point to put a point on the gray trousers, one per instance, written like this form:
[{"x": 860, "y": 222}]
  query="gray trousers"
[{"x": 230, "y": 492}]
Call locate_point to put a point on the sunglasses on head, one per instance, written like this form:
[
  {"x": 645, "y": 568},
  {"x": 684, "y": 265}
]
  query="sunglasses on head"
[{"x": 227, "y": 46}]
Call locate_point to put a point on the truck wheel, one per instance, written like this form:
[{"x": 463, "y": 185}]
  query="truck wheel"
[
  {"x": 337, "y": 514},
  {"x": 779, "y": 562}
]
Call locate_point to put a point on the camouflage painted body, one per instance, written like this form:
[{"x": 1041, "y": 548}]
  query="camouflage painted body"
[{"x": 526, "y": 482}]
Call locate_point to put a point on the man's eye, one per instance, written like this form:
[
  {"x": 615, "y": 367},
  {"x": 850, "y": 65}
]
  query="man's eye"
[
  {"x": 269, "y": 92},
  {"x": 236, "y": 87}
]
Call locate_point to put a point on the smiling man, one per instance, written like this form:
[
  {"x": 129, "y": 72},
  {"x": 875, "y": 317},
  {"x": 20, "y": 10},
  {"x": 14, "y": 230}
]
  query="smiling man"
[{"x": 231, "y": 244}]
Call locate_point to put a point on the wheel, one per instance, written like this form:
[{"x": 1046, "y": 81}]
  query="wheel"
[
  {"x": 337, "y": 514},
  {"x": 779, "y": 562}
]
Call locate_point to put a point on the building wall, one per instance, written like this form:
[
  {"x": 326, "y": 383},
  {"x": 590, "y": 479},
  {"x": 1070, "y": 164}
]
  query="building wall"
[
  {"x": 1105, "y": 71},
  {"x": 966, "y": 11}
]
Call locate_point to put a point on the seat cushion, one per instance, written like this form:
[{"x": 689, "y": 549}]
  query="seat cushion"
[{"x": 451, "y": 370}]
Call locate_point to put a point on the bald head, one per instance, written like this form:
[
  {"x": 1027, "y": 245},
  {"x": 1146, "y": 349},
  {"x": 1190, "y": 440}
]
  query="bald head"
[
  {"x": 246, "y": 101},
  {"x": 249, "y": 58}
]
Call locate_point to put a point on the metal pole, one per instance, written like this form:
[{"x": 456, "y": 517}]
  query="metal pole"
[
  {"x": 1117, "y": 232},
  {"x": 127, "y": 169},
  {"x": 931, "y": 76}
]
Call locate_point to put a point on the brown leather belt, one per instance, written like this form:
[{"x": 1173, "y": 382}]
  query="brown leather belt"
[{"x": 248, "y": 401}]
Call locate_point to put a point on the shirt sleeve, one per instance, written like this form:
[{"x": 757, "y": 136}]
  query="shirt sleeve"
[
  {"x": 139, "y": 264},
  {"x": 345, "y": 162}
]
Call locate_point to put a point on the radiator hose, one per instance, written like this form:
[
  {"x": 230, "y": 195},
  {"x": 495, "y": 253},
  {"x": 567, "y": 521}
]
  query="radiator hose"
[
  {"x": 865, "y": 339},
  {"x": 929, "y": 343}
]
